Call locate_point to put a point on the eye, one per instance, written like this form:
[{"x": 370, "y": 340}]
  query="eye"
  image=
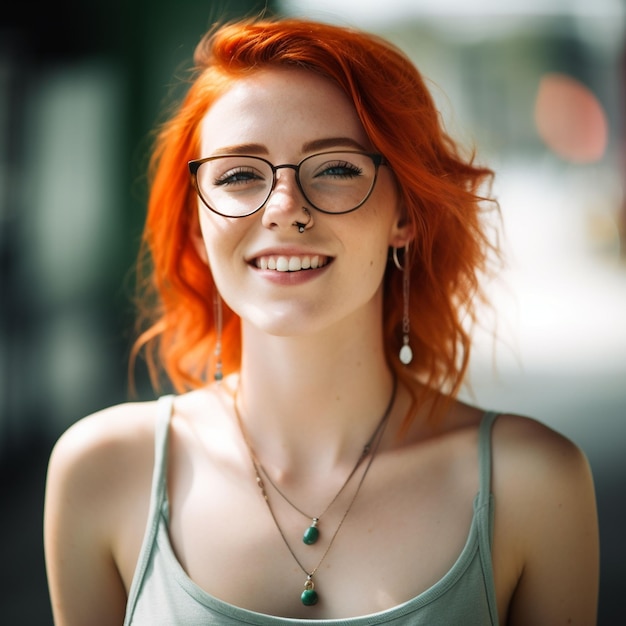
[
  {"x": 237, "y": 176},
  {"x": 339, "y": 169}
]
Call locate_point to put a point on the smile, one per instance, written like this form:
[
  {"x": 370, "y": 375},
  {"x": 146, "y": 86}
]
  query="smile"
[{"x": 291, "y": 263}]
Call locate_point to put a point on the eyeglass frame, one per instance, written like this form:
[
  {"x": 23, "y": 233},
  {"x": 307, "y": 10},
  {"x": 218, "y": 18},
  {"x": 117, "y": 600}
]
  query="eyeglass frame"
[{"x": 194, "y": 166}]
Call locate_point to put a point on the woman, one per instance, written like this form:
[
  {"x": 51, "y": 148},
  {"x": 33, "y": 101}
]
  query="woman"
[{"x": 316, "y": 242}]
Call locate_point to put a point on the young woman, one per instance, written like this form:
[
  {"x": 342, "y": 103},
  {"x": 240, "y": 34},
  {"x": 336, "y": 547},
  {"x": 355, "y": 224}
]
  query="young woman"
[{"x": 316, "y": 243}]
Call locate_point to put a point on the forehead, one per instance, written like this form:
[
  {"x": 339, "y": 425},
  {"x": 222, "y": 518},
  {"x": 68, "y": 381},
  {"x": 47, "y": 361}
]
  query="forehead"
[{"x": 280, "y": 109}]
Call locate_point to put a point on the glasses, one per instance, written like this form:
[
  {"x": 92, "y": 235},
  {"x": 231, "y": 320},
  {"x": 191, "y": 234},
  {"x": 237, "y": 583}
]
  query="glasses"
[{"x": 331, "y": 182}]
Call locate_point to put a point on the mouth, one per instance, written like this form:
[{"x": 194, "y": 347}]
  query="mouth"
[{"x": 281, "y": 263}]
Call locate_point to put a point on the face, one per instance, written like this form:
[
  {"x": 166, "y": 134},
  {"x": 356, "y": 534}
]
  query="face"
[{"x": 285, "y": 115}]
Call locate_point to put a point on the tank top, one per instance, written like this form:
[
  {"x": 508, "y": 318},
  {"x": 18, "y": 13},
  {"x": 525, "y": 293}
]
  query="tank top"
[{"x": 161, "y": 593}]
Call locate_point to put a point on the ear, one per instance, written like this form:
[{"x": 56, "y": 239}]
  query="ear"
[{"x": 402, "y": 232}]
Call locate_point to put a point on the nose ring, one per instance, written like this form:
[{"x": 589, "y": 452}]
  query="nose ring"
[{"x": 301, "y": 226}]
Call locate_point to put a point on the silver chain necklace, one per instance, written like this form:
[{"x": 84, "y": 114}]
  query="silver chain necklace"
[{"x": 309, "y": 596}]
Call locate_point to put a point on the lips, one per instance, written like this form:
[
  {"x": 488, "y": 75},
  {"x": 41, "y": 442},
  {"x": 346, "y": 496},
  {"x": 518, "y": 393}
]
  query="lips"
[{"x": 291, "y": 263}]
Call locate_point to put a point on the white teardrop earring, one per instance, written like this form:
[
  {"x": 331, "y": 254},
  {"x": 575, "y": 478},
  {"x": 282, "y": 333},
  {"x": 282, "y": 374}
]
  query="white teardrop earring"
[{"x": 406, "y": 353}]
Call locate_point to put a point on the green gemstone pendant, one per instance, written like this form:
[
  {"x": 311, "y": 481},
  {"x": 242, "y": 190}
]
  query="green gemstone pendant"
[
  {"x": 311, "y": 534},
  {"x": 309, "y": 595}
]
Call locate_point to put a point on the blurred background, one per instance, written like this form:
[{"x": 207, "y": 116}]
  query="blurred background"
[{"x": 538, "y": 87}]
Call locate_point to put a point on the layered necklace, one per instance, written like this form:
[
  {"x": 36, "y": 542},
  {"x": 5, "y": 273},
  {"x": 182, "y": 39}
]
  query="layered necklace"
[{"x": 309, "y": 596}]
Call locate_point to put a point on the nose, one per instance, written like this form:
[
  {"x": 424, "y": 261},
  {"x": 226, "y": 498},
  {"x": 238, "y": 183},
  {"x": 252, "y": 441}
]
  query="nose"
[{"x": 284, "y": 205}]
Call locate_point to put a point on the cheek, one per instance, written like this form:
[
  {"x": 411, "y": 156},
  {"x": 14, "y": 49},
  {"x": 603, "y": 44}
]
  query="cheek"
[
  {"x": 377, "y": 229},
  {"x": 368, "y": 256},
  {"x": 211, "y": 242},
  {"x": 216, "y": 231},
  {"x": 377, "y": 246},
  {"x": 222, "y": 243}
]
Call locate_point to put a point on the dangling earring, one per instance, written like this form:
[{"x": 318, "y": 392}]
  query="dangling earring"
[
  {"x": 217, "y": 316},
  {"x": 406, "y": 353}
]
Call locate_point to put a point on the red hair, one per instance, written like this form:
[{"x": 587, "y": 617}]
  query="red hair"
[{"x": 439, "y": 190}]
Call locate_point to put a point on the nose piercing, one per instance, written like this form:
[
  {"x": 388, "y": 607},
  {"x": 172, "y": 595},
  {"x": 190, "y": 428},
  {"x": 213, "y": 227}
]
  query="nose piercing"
[{"x": 301, "y": 226}]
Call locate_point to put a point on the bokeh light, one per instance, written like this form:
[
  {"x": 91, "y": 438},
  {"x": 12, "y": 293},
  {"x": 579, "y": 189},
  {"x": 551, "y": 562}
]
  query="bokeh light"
[{"x": 570, "y": 119}]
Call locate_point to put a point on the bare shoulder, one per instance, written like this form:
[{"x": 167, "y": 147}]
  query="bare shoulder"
[
  {"x": 111, "y": 452},
  {"x": 530, "y": 449},
  {"x": 546, "y": 549},
  {"x": 100, "y": 469},
  {"x": 537, "y": 469},
  {"x": 106, "y": 443}
]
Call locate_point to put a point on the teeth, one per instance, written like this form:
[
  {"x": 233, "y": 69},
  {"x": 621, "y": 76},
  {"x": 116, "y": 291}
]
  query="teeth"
[{"x": 290, "y": 264}]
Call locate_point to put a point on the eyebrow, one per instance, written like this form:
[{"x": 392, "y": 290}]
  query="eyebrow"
[
  {"x": 309, "y": 146},
  {"x": 243, "y": 148},
  {"x": 331, "y": 142}
]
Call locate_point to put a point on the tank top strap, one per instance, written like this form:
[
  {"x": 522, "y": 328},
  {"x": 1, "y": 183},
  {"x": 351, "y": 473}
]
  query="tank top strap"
[
  {"x": 165, "y": 406},
  {"x": 158, "y": 499},
  {"x": 485, "y": 510},
  {"x": 484, "y": 456}
]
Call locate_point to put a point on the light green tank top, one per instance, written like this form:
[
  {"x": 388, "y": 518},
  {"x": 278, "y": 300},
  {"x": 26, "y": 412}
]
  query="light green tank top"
[{"x": 162, "y": 594}]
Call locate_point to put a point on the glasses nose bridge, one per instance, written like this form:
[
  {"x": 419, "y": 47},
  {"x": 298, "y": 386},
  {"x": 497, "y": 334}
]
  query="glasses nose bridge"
[{"x": 288, "y": 166}]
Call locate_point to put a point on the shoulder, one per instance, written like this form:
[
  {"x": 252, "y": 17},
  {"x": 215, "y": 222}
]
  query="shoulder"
[
  {"x": 524, "y": 449},
  {"x": 97, "y": 500},
  {"x": 528, "y": 449},
  {"x": 101, "y": 456},
  {"x": 546, "y": 529},
  {"x": 115, "y": 446},
  {"x": 124, "y": 428},
  {"x": 536, "y": 468}
]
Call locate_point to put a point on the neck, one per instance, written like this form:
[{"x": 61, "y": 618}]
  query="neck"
[{"x": 316, "y": 400}]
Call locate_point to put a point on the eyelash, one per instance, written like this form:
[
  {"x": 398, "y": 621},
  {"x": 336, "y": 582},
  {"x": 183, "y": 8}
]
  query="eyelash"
[
  {"x": 353, "y": 170},
  {"x": 241, "y": 175}
]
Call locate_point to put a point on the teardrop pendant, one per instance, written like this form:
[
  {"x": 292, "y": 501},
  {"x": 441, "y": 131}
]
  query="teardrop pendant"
[
  {"x": 406, "y": 354},
  {"x": 309, "y": 596},
  {"x": 312, "y": 533}
]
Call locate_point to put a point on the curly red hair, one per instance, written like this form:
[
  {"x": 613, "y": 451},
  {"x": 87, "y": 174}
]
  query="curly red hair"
[{"x": 439, "y": 189}]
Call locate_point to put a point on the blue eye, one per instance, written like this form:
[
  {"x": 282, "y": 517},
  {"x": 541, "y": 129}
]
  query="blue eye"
[
  {"x": 340, "y": 170},
  {"x": 237, "y": 176}
]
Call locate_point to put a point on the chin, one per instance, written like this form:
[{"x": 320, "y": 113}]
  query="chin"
[{"x": 294, "y": 322}]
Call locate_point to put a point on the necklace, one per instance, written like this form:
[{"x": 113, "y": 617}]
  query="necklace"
[
  {"x": 309, "y": 596},
  {"x": 312, "y": 533}
]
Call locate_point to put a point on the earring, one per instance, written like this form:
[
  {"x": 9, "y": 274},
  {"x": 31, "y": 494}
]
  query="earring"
[
  {"x": 406, "y": 353},
  {"x": 217, "y": 316},
  {"x": 394, "y": 256},
  {"x": 301, "y": 226}
]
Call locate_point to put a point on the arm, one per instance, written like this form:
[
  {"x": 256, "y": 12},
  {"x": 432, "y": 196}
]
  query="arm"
[
  {"x": 551, "y": 512},
  {"x": 94, "y": 473}
]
